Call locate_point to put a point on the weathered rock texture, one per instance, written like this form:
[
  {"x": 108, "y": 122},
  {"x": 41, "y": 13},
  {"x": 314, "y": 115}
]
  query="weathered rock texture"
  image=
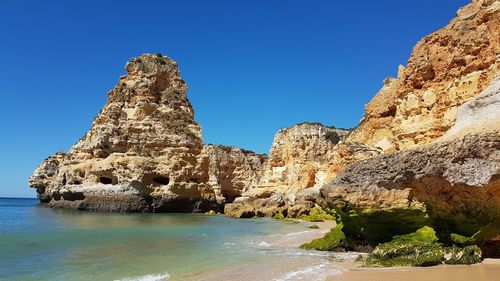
[
  {"x": 298, "y": 159},
  {"x": 455, "y": 182},
  {"x": 144, "y": 150},
  {"x": 232, "y": 170},
  {"x": 446, "y": 69},
  {"x": 479, "y": 114},
  {"x": 303, "y": 158},
  {"x": 457, "y": 176}
]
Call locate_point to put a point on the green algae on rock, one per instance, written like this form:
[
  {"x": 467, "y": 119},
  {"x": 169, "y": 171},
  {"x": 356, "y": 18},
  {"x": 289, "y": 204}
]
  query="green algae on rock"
[
  {"x": 318, "y": 214},
  {"x": 419, "y": 248},
  {"x": 461, "y": 240},
  {"x": 372, "y": 227},
  {"x": 332, "y": 241},
  {"x": 466, "y": 255},
  {"x": 281, "y": 217}
]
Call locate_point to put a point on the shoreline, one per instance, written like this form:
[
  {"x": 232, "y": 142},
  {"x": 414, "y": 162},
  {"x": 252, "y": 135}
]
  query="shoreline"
[{"x": 489, "y": 269}]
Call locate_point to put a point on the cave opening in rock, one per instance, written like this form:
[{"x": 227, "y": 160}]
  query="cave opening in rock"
[
  {"x": 161, "y": 180},
  {"x": 105, "y": 180}
]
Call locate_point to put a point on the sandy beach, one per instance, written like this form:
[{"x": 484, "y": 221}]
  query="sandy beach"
[{"x": 488, "y": 270}]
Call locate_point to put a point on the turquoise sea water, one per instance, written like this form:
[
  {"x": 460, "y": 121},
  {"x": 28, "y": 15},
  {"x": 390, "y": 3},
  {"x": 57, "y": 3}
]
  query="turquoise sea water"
[{"x": 39, "y": 243}]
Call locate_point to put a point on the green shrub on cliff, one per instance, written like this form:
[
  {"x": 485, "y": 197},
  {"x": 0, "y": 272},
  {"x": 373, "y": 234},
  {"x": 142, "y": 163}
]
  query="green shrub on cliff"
[
  {"x": 419, "y": 248},
  {"x": 318, "y": 214},
  {"x": 334, "y": 239}
]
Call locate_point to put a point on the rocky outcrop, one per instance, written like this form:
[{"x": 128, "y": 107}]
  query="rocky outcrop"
[
  {"x": 452, "y": 184},
  {"x": 303, "y": 158},
  {"x": 298, "y": 159},
  {"x": 446, "y": 69},
  {"x": 479, "y": 114},
  {"x": 232, "y": 170},
  {"x": 450, "y": 177},
  {"x": 144, "y": 151}
]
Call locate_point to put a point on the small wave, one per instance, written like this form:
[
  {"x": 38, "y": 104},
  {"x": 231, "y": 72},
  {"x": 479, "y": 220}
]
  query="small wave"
[
  {"x": 149, "y": 277},
  {"x": 298, "y": 233},
  {"x": 305, "y": 274},
  {"x": 264, "y": 244}
]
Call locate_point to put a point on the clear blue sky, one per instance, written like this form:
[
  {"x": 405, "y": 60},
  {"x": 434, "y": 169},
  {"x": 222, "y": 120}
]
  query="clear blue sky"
[{"x": 252, "y": 67}]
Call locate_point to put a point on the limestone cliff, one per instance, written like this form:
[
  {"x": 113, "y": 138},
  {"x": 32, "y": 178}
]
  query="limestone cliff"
[
  {"x": 143, "y": 152},
  {"x": 454, "y": 183},
  {"x": 298, "y": 159},
  {"x": 302, "y": 159},
  {"x": 446, "y": 69},
  {"x": 232, "y": 170}
]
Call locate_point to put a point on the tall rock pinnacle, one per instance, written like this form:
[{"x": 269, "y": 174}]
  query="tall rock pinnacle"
[{"x": 143, "y": 152}]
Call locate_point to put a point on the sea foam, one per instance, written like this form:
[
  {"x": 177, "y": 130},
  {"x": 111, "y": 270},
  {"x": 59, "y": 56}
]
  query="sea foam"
[
  {"x": 310, "y": 272},
  {"x": 149, "y": 277}
]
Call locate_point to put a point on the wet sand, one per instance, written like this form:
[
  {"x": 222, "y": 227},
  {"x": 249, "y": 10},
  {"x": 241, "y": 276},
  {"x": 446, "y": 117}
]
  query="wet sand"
[{"x": 488, "y": 270}]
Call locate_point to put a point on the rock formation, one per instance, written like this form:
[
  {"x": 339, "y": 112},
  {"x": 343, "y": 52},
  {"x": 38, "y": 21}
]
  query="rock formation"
[
  {"x": 232, "y": 170},
  {"x": 446, "y": 69},
  {"x": 144, "y": 151},
  {"x": 454, "y": 183},
  {"x": 426, "y": 151},
  {"x": 298, "y": 159},
  {"x": 302, "y": 158}
]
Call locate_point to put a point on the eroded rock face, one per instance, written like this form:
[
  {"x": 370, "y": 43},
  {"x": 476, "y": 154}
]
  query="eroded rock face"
[
  {"x": 232, "y": 170},
  {"x": 446, "y": 69},
  {"x": 303, "y": 158},
  {"x": 298, "y": 159},
  {"x": 453, "y": 183},
  {"x": 479, "y": 114},
  {"x": 450, "y": 176},
  {"x": 144, "y": 149}
]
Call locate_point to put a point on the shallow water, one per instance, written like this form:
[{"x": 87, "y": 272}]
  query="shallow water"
[{"x": 38, "y": 243}]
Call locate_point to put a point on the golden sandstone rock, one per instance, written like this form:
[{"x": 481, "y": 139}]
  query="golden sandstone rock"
[
  {"x": 144, "y": 151},
  {"x": 435, "y": 124},
  {"x": 446, "y": 70}
]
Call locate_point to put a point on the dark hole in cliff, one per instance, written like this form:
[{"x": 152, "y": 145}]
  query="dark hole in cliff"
[
  {"x": 161, "y": 180},
  {"x": 77, "y": 182},
  {"x": 391, "y": 112},
  {"x": 105, "y": 180},
  {"x": 333, "y": 137}
]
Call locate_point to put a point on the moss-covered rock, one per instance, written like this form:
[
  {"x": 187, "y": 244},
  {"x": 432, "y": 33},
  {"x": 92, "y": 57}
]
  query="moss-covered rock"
[
  {"x": 461, "y": 240},
  {"x": 488, "y": 239},
  {"x": 281, "y": 217},
  {"x": 419, "y": 248},
  {"x": 372, "y": 227},
  {"x": 333, "y": 240},
  {"x": 318, "y": 214},
  {"x": 466, "y": 255}
]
